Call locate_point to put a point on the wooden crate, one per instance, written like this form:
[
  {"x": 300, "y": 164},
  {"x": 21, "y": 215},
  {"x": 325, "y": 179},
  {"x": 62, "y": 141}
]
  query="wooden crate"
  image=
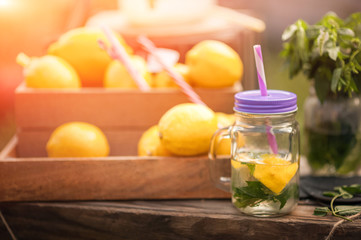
[
  {"x": 110, "y": 178},
  {"x": 123, "y": 115},
  {"x": 28, "y": 175}
]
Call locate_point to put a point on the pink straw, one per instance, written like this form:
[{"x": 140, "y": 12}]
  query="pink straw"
[
  {"x": 117, "y": 52},
  {"x": 260, "y": 69},
  {"x": 263, "y": 88},
  {"x": 178, "y": 78}
]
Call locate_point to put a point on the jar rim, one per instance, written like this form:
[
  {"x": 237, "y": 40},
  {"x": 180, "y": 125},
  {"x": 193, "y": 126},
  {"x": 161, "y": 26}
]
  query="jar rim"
[
  {"x": 276, "y": 102},
  {"x": 276, "y": 113}
]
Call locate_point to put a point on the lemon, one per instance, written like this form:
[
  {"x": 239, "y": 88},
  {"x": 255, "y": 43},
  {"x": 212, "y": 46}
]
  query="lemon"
[
  {"x": 150, "y": 144},
  {"x": 48, "y": 72},
  {"x": 77, "y": 139},
  {"x": 224, "y": 145},
  {"x": 187, "y": 129},
  {"x": 81, "y": 49},
  {"x": 214, "y": 64},
  {"x": 275, "y": 173},
  {"x": 224, "y": 119},
  {"x": 164, "y": 80},
  {"x": 117, "y": 76}
]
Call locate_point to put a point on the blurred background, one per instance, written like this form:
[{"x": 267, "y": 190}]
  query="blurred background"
[{"x": 31, "y": 25}]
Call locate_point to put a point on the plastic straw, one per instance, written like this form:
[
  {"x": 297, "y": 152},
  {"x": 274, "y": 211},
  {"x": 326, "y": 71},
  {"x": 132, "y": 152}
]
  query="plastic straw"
[
  {"x": 260, "y": 69},
  {"x": 117, "y": 52},
  {"x": 263, "y": 88},
  {"x": 178, "y": 78}
]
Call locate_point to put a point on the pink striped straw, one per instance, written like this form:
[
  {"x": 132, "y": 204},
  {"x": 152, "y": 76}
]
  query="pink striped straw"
[
  {"x": 260, "y": 69},
  {"x": 263, "y": 88},
  {"x": 178, "y": 78},
  {"x": 117, "y": 52}
]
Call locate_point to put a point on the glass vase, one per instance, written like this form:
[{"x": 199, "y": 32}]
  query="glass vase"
[{"x": 333, "y": 135}]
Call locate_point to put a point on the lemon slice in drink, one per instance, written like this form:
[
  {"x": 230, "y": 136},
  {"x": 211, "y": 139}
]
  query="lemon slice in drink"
[{"x": 275, "y": 173}]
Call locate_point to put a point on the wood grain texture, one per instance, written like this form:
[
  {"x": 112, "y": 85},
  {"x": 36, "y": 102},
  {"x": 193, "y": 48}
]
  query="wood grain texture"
[
  {"x": 186, "y": 219},
  {"x": 107, "y": 108},
  {"x": 123, "y": 177}
]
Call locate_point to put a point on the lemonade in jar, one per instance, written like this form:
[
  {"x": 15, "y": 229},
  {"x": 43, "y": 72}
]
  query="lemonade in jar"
[
  {"x": 264, "y": 184},
  {"x": 265, "y": 154}
]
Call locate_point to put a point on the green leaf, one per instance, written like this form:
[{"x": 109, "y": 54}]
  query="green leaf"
[
  {"x": 255, "y": 193},
  {"x": 290, "y": 191},
  {"x": 321, "y": 41},
  {"x": 321, "y": 211},
  {"x": 250, "y": 195},
  {"x": 330, "y": 194},
  {"x": 341, "y": 211},
  {"x": 289, "y": 32},
  {"x": 313, "y": 31},
  {"x": 335, "y": 79},
  {"x": 346, "y": 210},
  {"x": 346, "y": 32},
  {"x": 318, "y": 50},
  {"x": 333, "y": 52},
  {"x": 352, "y": 189},
  {"x": 301, "y": 40}
]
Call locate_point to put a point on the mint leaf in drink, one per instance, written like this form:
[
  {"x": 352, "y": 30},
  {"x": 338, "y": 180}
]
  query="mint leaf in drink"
[
  {"x": 250, "y": 195},
  {"x": 255, "y": 193},
  {"x": 290, "y": 192}
]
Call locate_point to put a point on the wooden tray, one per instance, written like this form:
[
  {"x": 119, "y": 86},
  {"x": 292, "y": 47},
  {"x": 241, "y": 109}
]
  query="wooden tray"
[{"x": 111, "y": 178}]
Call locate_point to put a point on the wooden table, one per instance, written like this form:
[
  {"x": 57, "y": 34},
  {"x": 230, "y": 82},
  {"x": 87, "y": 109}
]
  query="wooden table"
[{"x": 166, "y": 219}]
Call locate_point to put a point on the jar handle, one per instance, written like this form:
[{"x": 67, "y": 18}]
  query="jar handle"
[{"x": 219, "y": 177}]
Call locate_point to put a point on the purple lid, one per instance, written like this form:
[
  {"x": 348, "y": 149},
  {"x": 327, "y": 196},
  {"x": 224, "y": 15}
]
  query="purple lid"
[{"x": 276, "y": 101}]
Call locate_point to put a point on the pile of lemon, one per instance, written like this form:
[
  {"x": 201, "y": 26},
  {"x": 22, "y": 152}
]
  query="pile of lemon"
[{"x": 76, "y": 60}]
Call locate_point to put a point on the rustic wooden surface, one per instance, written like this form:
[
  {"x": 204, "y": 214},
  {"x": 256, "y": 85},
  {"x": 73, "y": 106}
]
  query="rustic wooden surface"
[
  {"x": 186, "y": 219},
  {"x": 122, "y": 177}
]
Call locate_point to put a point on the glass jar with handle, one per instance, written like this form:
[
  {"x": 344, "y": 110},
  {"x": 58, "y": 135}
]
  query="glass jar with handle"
[{"x": 265, "y": 154}]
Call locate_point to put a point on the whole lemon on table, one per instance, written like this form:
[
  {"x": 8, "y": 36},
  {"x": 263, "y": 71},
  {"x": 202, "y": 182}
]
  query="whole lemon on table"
[
  {"x": 214, "y": 64},
  {"x": 164, "y": 80},
  {"x": 48, "y": 72},
  {"x": 77, "y": 139},
  {"x": 117, "y": 76},
  {"x": 150, "y": 145},
  {"x": 81, "y": 49},
  {"x": 187, "y": 129}
]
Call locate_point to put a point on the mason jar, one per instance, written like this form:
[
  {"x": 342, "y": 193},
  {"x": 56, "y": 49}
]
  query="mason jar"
[{"x": 265, "y": 154}]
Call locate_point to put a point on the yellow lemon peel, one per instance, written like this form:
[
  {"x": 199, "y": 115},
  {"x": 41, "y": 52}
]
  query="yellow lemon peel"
[{"x": 150, "y": 145}]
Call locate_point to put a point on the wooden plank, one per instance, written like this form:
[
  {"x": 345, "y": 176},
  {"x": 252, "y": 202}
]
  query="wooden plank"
[
  {"x": 186, "y": 219},
  {"x": 107, "y": 108},
  {"x": 124, "y": 177},
  {"x": 122, "y": 142}
]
